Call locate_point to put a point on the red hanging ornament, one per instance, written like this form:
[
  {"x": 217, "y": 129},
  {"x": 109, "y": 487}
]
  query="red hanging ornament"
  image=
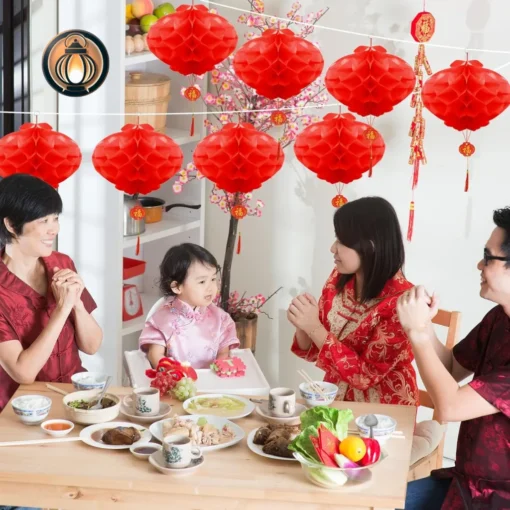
[
  {"x": 238, "y": 158},
  {"x": 192, "y": 93},
  {"x": 192, "y": 40},
  {"x": 239, "y": 244},
  {"x": 239, "y": 212},
  {"x": 467, "y": 149},
  {"x": 422, "y": 29},
  {"x": 137, "y": 212},
  {"x": 278, "y": 118},
  {"x": 137, "y": 159},
  {"x": 370, "y": 81},
  {"x": 39, "y": 151},
  {"x": 338, "y": 201},
  {"x": 466, "y": 97},
  {"x": 279, "y": 64},
  {"x": 337, "y": 148}
]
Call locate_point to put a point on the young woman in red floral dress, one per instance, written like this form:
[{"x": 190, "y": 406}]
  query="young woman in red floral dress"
[{"x": 353, "y": 332}]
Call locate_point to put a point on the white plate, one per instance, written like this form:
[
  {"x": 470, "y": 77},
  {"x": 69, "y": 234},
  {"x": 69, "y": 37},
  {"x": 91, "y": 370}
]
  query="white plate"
[
  {"x": 164, "y": 410},
  {"x": 157, "y": 430},
  {"x": 256, "y": 448},
  {"x": 234, "y": 415},
  {"x": 86, "y": 435},
  {"x": 156, "y": 459},
  {"x": 295, "y": 419}
]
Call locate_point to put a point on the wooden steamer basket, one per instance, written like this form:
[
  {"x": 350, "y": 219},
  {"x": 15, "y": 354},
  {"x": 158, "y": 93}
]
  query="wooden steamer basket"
[{"x": 147, "y": 94}]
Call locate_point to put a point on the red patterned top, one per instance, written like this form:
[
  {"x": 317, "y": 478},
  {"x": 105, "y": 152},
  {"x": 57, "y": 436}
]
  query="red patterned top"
[
  {"x": 23, "y": 315},
  {"x": 366, "y": 354},
  {"x": 482, "y": 468}
]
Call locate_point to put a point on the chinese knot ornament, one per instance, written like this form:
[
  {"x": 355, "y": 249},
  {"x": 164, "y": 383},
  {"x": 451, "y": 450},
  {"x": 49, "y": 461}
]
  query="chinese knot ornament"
[
  {"x": 238, "y": 158},
  {"x": 338, "y": 150},
  {"x": 423, "y": 27},
  {"x": 279, "y": 64},
  {"x": 39, "y": 151},
  {"x": 370, "y": 81},
  {"x": 137, "y": 159},
  {"x": 192, "y": 40},
  {"x": 466, "y": 97}
]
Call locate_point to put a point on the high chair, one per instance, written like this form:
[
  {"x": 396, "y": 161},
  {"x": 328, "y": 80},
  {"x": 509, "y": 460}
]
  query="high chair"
[{"x": 431, "y": 433}]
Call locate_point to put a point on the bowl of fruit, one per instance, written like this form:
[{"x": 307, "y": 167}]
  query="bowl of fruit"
[{"x": 329, "y": 457}]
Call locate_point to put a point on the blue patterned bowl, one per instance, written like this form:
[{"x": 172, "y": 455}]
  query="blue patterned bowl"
[
  {"x": 313, "y": 398},
  {"x": 31, "y": 409},
  {"x": 84, "y": 381}
]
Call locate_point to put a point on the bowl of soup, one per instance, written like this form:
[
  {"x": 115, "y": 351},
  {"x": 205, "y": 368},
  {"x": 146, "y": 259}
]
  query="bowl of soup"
[
  {"x": 57, "y": 428},
  {"x": 77, "y": 407}
]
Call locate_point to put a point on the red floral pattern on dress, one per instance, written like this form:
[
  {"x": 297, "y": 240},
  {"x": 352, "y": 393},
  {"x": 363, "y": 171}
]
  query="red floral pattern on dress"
[
  {"x": 24, "y": 314},
  {"x": 366, "y": 354},
  {"x": 482, "y": 468}
]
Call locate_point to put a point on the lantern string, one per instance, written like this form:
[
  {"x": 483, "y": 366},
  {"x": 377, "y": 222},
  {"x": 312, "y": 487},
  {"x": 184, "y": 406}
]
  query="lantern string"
[{"x": 360, "y": 34}]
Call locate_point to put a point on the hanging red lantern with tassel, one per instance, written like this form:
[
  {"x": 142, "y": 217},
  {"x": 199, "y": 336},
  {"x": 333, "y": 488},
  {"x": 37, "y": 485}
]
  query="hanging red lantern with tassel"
[
  {"x": 370, "y": 81},
  {"x": 238, "y": 158},
  {"x": 137, "y": 160},
  {"x": 466, "y": 97},
  {"x": 39, "y": 151},
  {"x": 338, "y": 150},
  {"x": 192, "y": 41},
  {"x": 423, "y": 27}
]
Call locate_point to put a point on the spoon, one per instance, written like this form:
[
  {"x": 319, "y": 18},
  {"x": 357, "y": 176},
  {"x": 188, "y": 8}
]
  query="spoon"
[
  {"x": 98, "y": 404},
  {"x": 371, "y": 421}
]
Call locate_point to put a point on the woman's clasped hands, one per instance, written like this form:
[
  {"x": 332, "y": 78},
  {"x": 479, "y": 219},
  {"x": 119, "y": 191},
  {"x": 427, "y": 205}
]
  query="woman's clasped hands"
[
  {"x": 67, "y": 287},
  {"x": 303, "y": 313}
]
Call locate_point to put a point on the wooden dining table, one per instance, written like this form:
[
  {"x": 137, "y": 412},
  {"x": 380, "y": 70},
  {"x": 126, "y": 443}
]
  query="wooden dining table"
[{"x": 74, "y": 475}]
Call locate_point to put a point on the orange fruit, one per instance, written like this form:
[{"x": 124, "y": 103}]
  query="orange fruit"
[{"x": 353, "y": 448}]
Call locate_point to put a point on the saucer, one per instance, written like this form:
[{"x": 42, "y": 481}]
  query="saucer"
[
  {"x": 156, "y": 459},
  {"x": 164, "y": 410},
  {"x": 263, "y": 410}
]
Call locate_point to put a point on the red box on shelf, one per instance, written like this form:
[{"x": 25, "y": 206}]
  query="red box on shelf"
[{"x": 132, "y": 268}]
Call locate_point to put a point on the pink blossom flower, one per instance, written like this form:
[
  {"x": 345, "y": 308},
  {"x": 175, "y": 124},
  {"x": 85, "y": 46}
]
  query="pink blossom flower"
[{"x": 177, "y": 187}]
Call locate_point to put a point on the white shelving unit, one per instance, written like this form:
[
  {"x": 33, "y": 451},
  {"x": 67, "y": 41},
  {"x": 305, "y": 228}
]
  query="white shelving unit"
[{"x": 92, "y": 223}]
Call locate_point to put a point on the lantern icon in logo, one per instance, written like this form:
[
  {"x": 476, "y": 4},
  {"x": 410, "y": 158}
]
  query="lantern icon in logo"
[
  {"x": 75, "y": 63},
  {"x": 75, "y": 68}
]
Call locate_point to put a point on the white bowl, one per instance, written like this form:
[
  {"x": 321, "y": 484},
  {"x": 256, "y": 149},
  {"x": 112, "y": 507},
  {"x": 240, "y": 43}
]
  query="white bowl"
[
  {"x": 313, "y": 398},
  {"x": 84, "y": 381},
  {"x": 90, "y": 417},
  {"x": 139, "y": 453},
  {"x": 57, "y": 433},
  {"x": 31, "y": 409},
  {"x": 383, "y": 430}
]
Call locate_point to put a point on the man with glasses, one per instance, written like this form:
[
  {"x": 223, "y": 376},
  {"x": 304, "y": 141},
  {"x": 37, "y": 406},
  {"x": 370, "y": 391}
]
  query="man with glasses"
[{"x": 481, "y": 477}]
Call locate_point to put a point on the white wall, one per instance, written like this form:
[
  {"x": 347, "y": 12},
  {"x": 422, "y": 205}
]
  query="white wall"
[{"x": 289, "y": 245}]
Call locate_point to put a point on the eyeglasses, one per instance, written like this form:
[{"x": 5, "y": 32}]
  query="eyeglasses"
[{"x": 487, "y": 257}]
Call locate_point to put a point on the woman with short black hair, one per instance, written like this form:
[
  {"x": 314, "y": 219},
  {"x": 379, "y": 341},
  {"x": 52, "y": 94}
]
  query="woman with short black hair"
[
  {"x": 353, "y": 332},
  {"x": 44, "y": 308}
]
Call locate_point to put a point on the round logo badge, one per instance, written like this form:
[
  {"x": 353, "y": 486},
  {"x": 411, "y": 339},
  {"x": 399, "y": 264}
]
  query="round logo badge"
[{"x": 75, "y": 63}]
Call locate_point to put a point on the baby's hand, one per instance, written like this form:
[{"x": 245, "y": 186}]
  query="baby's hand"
[{"x": 223, "y": 354}]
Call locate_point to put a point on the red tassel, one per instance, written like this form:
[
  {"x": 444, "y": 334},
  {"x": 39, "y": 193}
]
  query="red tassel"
[
  {"x": 370, "y": 171},
  {"x": 466, "y": 184},
  {"x": 137, "y": 252},
  {"x": 279, "y": 150},
  {"x": 416, "y": 172},
  {"x": 192, "y": 127},
  {"x": 410, "y": 224},
  {"x": 239, "y": 244}
]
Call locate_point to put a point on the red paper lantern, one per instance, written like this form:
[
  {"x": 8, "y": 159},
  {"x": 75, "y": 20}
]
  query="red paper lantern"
[
  {"x": 137, "y": 159},
  {"x": 337, "y": 150},
  {"x": 39, "y": 151},
  {"x": 466, "y": 96},
  {"x": 238, "y": 158},
  {"x": 370, "y": 81},
  {"x": 192, "y": 40},
  {"x": 279, "y": 64}
]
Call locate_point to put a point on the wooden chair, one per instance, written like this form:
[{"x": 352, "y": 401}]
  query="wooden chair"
[{"x": 434, "y": 460}]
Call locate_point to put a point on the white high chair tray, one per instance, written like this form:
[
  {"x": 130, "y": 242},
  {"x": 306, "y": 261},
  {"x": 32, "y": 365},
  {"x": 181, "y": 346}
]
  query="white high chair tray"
[{"x": 253, "y": 383}]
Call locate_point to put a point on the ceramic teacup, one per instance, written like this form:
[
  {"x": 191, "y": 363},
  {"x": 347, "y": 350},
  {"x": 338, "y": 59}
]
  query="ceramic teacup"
[
  {"x": 282, "y": 402},
  {"x": 178, "y": 451},
  {"x": 144, "y": 401}
]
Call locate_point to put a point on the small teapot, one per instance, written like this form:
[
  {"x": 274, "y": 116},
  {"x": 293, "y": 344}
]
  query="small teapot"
[{"x": 132, "y": 226}]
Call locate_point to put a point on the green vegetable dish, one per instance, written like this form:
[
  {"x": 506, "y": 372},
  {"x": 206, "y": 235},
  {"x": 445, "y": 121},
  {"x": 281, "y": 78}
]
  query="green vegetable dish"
[
  {"x": 219, "y": 406},
  {"x": 86, "y": 404}
]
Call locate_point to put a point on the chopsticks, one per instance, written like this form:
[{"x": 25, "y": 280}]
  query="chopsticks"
[
  {"x": 313, "y": 385},
  {"x": 41, "y": 441},
  {"x": 58, "y": 390},
  {"x": 397, "y": 434}
]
